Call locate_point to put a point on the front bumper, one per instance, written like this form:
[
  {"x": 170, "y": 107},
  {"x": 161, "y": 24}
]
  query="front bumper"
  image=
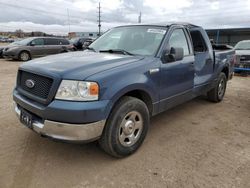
[
  {"x": 10, "y": 54},
  {"x": 66, "y": 131}
]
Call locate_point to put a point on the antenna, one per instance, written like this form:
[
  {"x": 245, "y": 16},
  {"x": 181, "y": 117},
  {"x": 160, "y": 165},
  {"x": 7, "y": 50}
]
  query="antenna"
[{"x": 99, "y": 19}]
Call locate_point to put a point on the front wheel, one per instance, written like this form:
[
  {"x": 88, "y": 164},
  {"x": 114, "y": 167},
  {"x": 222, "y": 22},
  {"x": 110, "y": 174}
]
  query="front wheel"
[
  {"x": 24, "y": 56},
  {"x": 217, "y": 93},
  {"x": 126, "y": 127}
]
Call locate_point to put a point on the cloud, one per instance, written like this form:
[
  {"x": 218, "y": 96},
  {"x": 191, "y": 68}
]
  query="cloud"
[{"x": 52, "y": 16}]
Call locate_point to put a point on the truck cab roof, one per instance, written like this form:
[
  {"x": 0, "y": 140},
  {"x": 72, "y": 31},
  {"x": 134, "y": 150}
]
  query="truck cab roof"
[{"x": 166, "y": 24}]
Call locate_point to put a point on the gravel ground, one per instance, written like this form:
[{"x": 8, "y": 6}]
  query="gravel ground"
[{"x": 197, "y": 144}]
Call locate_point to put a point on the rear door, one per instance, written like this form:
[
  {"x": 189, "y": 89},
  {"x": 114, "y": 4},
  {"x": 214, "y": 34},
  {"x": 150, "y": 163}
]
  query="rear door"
[
  {"x": 52, "y": 45},
  {"x": 204, "y": 61},
  {"x": 177, "y": 78}
]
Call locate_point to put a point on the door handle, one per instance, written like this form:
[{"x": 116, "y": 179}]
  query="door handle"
[{"x": 152, "y": 71}]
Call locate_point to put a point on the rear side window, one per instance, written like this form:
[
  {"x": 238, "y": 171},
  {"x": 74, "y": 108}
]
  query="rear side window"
[
  {"x": 37, "y": 42},
  {"x": 50, "y": 41},
  {"x": 179, "y": 40},
  {"x": 54, "y": 41},
  {"x": 198, "y": 42},
  {"x": 63, "y": 42}
]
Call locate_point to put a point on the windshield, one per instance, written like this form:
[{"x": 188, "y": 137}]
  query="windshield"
[
  {"x": 244, "y": 45},
  {"x": 139, "y": 40},
  {"x": 21, "y": 42}
]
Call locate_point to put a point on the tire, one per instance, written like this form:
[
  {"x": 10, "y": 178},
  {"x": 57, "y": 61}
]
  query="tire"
[
  {"x": 217, "y": 93},
  {"x": 24, "y": 56},
  {"x": 126, "y": 127}
]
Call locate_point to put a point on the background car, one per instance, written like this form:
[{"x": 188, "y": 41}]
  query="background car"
[
  {"x": 242, "y": 49},
  {"x": 1, "y": 51},
  {"x": 29, "y": 48},
  {"x": 87, "y": 43},
  {"x": 78, "y": 42}
]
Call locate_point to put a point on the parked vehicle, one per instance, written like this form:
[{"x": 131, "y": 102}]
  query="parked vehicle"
[
  {"x": 242, "y": 50},
  {"x": 110, "y": 91},
  {"x": 6, "y": 39},
  {"x": 87, "y": 43},
  {"x": 221, "y": 47},
  {"x": 1, "y": 51},
  {"x": 79, "y": 41},
  {"x": 29, "y": 48}
]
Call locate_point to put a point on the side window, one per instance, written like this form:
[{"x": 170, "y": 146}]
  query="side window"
[
  {"x": 179, "y": 40},
  {"x": 50, "y": 41},
  {"x": 198, "y": 42},
  {"x": 64, "y": 42},
  {"x": 37, "y": 42}
]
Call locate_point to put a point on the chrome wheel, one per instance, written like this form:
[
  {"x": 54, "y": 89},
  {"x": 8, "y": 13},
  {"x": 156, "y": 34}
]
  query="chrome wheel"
[
  {"x": 24, "y": 56},
  {"x": 221, "y": 88},
  {"x": 130, "y": 129}
]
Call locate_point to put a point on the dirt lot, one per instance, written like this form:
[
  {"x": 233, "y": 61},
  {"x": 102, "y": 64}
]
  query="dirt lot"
[{"x": 197, "y": 144}]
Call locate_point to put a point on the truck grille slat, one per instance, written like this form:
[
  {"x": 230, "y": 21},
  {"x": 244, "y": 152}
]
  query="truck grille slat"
[{"x": 42, "y": 84}]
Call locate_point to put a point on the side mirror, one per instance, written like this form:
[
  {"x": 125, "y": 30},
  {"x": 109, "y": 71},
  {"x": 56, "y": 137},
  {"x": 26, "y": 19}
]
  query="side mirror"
[
  {"x": 175, "y": 54},
  {"x": 32, "y": 44}
]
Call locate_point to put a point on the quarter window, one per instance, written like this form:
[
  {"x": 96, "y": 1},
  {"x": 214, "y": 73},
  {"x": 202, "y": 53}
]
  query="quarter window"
[{"x": 179, "y": 40}]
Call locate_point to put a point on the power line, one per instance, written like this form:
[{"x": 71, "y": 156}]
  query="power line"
[{"x": 38, "y": 10}]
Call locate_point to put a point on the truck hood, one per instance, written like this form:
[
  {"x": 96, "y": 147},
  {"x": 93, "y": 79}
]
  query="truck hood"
[
  {"x": 77, "y": 65},
  {"x": 242, "y": 52}
]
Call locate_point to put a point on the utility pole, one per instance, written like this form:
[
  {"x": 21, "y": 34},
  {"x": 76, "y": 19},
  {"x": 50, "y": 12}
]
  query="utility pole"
[
  {"x": 139, "y": 18},
  {"x": 99, "y": 19},
  {"x": 68, "y": 19}
]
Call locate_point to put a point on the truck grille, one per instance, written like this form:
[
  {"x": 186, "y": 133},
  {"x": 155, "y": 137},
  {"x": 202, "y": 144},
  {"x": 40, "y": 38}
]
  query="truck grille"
[
  {"x": 42, "y": 84},
  {"x": 245, "y": 58}
]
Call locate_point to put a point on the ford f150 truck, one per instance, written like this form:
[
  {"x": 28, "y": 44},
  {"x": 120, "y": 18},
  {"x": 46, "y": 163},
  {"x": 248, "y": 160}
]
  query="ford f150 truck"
[{"x": 109, "y": 92}]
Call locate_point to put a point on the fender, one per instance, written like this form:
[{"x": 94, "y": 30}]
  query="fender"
[{"x": 128, "y": 84}]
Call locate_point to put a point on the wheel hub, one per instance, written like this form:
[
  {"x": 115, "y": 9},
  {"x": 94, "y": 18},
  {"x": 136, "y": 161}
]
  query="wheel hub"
[{"x": 129, "y": 127}]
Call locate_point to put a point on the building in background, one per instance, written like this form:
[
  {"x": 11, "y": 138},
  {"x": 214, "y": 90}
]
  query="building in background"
[
  {"x": 229, "y": 36},
  {"x": 83, "y": 34}
]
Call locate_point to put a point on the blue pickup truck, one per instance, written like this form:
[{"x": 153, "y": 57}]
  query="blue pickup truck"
[{"x": 109, "y": 91}]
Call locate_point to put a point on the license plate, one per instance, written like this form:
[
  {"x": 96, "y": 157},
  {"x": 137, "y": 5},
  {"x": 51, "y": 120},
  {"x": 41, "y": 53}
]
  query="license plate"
[{"x": 26, "y": 118}]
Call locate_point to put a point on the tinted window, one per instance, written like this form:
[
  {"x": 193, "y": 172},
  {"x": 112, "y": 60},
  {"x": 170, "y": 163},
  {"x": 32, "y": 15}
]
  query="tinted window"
[
  {"x": 50, "y": 41},
  {"x": 63, "y": 42},
  {"x": 37, "y": 42},
  {"x": 179, "y": 40},
  {"x": 198, "y": 42}
]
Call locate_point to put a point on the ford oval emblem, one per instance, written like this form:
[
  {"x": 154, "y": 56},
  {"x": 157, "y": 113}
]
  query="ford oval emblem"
[{"x": 30, "y": 83}]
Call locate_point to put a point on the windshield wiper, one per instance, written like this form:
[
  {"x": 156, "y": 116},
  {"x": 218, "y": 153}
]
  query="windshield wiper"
[
  {"x": 90, "y": 48},
  {"x": 119, "y": 51}
]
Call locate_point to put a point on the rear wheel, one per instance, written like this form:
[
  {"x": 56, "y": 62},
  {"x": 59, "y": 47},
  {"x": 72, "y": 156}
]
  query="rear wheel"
[
  {"x": 218, "y": 92},
  {"x": 24, "y": 56},
  {"x": 126, "y": 127}
]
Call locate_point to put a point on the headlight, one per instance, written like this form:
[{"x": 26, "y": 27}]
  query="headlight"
[
  {"x": 77, "y": 91},
  {"x": 10, "y": 49}
]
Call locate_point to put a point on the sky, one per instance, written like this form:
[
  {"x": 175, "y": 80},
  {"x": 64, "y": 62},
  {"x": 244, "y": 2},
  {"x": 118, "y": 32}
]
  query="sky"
[{"x": 61, "y": 16}]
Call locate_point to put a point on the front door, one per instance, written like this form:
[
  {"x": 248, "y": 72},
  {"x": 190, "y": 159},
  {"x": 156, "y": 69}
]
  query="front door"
[{"x": 177, "y": 78}]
